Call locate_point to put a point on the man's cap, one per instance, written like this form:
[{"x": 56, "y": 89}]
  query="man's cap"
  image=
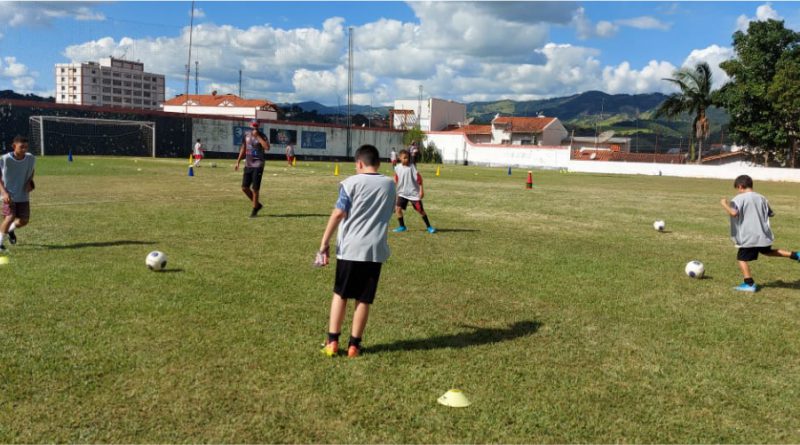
[{"x": 254, "y": 123}]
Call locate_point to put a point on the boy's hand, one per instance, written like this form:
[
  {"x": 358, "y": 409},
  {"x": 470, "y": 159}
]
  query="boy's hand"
[
  {"x": 236, "y": 167},
  {"x": 724, "y": 202},
  {"x": 322, "y": 258},
  {"x": 6, "y": 198}
]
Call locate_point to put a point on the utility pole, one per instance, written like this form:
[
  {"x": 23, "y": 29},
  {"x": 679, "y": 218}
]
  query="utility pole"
[
  {"x": 196, "y": 77},
  {"x": 349, "y": 147},
  {"x": 240, "y": 83}
]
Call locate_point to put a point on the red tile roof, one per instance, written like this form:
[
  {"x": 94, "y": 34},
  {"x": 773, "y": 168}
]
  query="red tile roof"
[
  {"x": 524, "y": 124},
  {"x": 470, "y": 129},
  {"x": 211, "y": 100},
  {"x": 724, "y": 156}
]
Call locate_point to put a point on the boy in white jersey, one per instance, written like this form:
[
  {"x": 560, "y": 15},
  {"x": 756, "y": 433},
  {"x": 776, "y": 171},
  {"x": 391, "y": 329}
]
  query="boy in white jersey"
[
  {"x": 750, "y": 230},
  {"x": 409, "y": 189},
  {"x": 16, "y": 182},
  {"x": 362, "y": 216},
  {"x": 198, "y": 153}
]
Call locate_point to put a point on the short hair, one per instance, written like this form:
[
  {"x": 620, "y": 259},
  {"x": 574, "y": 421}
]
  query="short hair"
[
  {"x": 368, "y": 154},
  {"x": 20, "y": 139},
  {"x": 743, "y": 181},
  {"x": 402, "y": 152},
  {"x": 198, "y": 139}
]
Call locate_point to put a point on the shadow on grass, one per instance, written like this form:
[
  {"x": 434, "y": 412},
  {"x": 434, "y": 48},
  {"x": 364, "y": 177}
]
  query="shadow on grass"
[
  {"x": 783, "y": 284},
  {"x": 298, "y": 215},
  {"x": 171, "y": 271},
  {"x": 456, "y": 230},
  {"x": 97, "y": 244},
  {"x": 474, "y": 337}
]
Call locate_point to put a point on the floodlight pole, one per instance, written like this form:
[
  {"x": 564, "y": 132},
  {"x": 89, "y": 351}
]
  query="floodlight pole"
[{"x": 349, "y": 148}]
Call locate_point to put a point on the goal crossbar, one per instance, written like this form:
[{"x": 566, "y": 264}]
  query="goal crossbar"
[{"x": 40, "y": 120}]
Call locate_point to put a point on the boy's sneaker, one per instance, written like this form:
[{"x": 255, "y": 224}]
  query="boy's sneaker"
[
  {"x": 431, "y": 230},
  {"x": 12, "y": 237},
  {"x": 254, "y": 213},
  {"x": 331, "y": 349},
  {"x": 744, "y": 287},
  {"x": 353, "y": 351},
  {"x": 400, "y": 229},
  {"x": 3, "y": 248}
]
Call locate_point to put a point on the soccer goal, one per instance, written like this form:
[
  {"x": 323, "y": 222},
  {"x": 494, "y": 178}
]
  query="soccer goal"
[{"x": 57, "y": 135}]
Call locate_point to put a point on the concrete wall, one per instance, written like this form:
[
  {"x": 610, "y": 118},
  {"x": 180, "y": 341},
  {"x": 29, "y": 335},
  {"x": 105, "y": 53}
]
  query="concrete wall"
[
  {"x": 224, "y": 136},
  {"x": 240, "y": 112},
  {"x": 456, "y": 149},
  {"x": 554, "y": 134},
  {"x": 446, "y": 112}
]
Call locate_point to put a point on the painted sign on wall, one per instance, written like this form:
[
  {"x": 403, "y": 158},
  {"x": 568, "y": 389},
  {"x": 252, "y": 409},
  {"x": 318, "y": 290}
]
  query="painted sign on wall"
[
  {"x": 313, "y": 139},
  {"x": 279, "y": 136}
]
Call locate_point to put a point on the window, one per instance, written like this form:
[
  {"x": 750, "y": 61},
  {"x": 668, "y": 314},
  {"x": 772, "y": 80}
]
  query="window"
[
  {"x": 127, "y": 83},
  {"x": 62, "y": 70},
  {"x": 93, "y": 72},
  {"x": 94, "y": 97},
  {"x": 137, "y": 93},
  {"x": 127, "y": 76},
  {"x": 118, "y": 82},
  {"x": 106, "y": 81},
  {"x": 137, "y": 101},
  {"x": 73, "y": 79},
  {"x": 117, "y": 91},
  {"x": 63, "y": 96},
  {"x": 128, "y": 92},
  {"x": 74, "y": 96},
  {"x": 106, "y": 73},
  {"x": 63, "y": 88},
  {"x": 115, "y": 74},
  {"x": 94, "y": 80},
  {"x": 74, "y": 70},
  {"x": 137, "y": 85},
  {"x": 146, "y": 78},
  {"x": 63, "y": 79},
  {"x": 127, "y": 100},
  {"x": 106, "y": 98},
  {"x": 146, "y": 94},
  {"x": 117, "y": 99},
  {"x": 137, "y": 77},
  {"x": 106, "y": 89}
]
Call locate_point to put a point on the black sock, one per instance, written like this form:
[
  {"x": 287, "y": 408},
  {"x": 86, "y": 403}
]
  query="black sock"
[
  {"x": 425, "y": 218},
  {"x": 749, "y": 281},
  {"x": 333, "y": 337},
  {"x": 401, "y": 221},
  {"x": 355, "y": 341},
  {"x": 794, "y": 256}
]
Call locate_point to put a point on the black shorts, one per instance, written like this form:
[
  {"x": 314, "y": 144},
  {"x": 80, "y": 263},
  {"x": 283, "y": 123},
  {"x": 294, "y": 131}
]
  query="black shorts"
[
  {"x": 21, "y": 210},
  {"x": 403, "y": 203},
  {"x": 357, "y": 280},
  {"x": 751, "y": 253},
  {"x": 252, "y": 177}
]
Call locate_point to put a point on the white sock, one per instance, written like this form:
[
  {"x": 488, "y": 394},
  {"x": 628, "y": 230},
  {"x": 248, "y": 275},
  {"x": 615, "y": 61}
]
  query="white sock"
[
  {"x": 1, "y": 237},
  {"x": 12, "y": 227}
]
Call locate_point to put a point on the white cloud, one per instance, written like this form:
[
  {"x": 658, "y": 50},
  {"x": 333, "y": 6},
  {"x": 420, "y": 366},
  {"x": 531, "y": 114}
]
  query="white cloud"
[
  {"x": 713, "y": 55},
  {"x": 198, "y": 13},
  {"x": 21, "y": 79},
  {"x": 763, "y": 13},
  {"x": 645, "y": 22},
  {"x": 13, "y": 68},
  {"x": 605, "y": 29},
  {"x": 43, "y": 13},
  {"x": 624, "y": 79}
]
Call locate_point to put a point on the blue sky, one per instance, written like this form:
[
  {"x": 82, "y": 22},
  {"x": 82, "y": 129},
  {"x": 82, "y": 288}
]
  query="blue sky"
[{"x": 467, "y": 51}]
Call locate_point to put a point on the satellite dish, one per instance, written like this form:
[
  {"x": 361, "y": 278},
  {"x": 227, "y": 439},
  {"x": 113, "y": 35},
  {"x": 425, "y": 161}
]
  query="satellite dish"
[
  {"x": 469, "y": 121},
  {"x": 605, "y": 136}
]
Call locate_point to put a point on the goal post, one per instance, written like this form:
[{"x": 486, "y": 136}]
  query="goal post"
[{"x": 60, "y": 135}]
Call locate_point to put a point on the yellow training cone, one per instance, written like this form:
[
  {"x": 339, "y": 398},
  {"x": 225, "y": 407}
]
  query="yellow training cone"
[
  {"x": 454, "y": 398},
  {"x": 437, "y": 171},
  {"x": 3, "y": 260},
  {"x": 190, "y": 159},
  {"x": 336, "y": 170},
  {"x": 294, "y": 162}
]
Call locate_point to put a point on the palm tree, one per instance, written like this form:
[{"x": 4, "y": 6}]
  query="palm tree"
[{"x": 694, "y": 97}]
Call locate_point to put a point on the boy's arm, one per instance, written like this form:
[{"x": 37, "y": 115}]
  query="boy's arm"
[
  {"x": 30, "y": 185},
  {"x": 730, "y": 210},
  {"x": 3, "y": 192},
  {"x": 241, "y": 155},
  {"x": 421, "y": 188},
  {"x": 337, "y": 215}
]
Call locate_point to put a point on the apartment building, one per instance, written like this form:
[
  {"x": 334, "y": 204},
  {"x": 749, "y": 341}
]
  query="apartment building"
[{"x": 110, "y": 83}]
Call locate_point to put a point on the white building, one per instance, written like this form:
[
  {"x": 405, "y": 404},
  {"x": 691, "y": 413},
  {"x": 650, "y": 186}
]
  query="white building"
[
  {"x": 546, "y": 131},
  {"x": 109, "y": 83},
  {"x": 222, "y": 105},
  {"x": 433, "y": 114}
]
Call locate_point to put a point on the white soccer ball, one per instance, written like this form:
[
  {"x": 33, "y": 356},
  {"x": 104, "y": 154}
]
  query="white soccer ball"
[
  {"x": 659, "y": 225},
  {"x": 695, "y": 269},
  {"x": 156, "y": 261}
]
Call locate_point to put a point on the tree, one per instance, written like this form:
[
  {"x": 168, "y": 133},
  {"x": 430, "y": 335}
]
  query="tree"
[
  {"x": 784, "y": 92},
  {"x": 694, "y": 98},
  {"x": 414, "y": 135},
  {"x": 755, "y": 121}
]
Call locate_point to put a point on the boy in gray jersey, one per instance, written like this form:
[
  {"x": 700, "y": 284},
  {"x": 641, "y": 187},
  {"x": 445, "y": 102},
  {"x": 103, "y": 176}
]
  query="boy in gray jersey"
[
  {"x": 409, "y": 189},
  {"x": 362, "y": 216},
  {"x": 750, "y": 230},
  {"x": 16, "y": 182}
]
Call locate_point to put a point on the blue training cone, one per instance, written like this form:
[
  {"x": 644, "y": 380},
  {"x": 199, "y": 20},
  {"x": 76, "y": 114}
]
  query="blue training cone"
[
  {"x": 191, "y": 171},
  {"x": 509, "y": 170},
  {"x": 69, "y": 156}
]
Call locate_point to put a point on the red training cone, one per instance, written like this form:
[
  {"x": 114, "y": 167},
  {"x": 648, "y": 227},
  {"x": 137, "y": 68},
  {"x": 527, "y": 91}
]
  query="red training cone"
[{"x": 529, "y": 181}]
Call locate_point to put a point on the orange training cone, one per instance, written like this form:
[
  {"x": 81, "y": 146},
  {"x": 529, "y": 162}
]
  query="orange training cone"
[{"x": 529, "y": 181}]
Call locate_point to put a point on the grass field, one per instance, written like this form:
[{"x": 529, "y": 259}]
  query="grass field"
[{"x": 559, "y": 311}]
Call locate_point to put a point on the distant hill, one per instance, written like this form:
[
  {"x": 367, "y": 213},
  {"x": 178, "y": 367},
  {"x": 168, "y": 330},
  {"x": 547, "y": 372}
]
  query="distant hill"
[
  {"x": 326, "y": 110},
  {"x": 9, "y": 94}
]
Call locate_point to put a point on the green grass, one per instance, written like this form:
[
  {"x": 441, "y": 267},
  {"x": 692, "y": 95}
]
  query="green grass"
[{"x": 559, "y": 311}]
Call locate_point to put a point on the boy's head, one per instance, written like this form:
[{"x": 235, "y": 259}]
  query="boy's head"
[
  {"x": 198, "y": 139},
  {"x": 743, "y": 182},
  {"x": 20, "y": 145},
  {"x": 403, "y": 156},
  {"x": 367, "y": 157}
]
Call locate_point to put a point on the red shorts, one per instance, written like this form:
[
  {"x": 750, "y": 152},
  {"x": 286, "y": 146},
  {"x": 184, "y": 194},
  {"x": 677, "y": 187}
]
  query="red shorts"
[
  {"x": 198, "y": 156},
  {"x": 21, "y": 210}
]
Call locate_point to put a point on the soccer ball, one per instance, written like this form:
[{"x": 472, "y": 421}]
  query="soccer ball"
[
  {"x": 695, "y": 269},
  {"x": 659, "y": 225},
  {"x": 156, "y": 260}
]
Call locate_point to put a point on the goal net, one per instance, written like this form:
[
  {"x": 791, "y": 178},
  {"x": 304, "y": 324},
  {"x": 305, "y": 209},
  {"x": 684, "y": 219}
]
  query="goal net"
[{"x": 56, "y": 135}]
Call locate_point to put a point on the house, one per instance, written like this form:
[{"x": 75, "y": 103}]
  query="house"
[
  {"x": 615, "y": 144},
  {"x": 540, "y": 130},
  {"x": 222, "y": 105},
  {"x": 431, "y": 114}
]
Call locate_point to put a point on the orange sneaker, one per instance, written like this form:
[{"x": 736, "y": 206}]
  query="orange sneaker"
[
  {"x": 331, "y": 349},
  {"x": 353, "y": 351}
]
